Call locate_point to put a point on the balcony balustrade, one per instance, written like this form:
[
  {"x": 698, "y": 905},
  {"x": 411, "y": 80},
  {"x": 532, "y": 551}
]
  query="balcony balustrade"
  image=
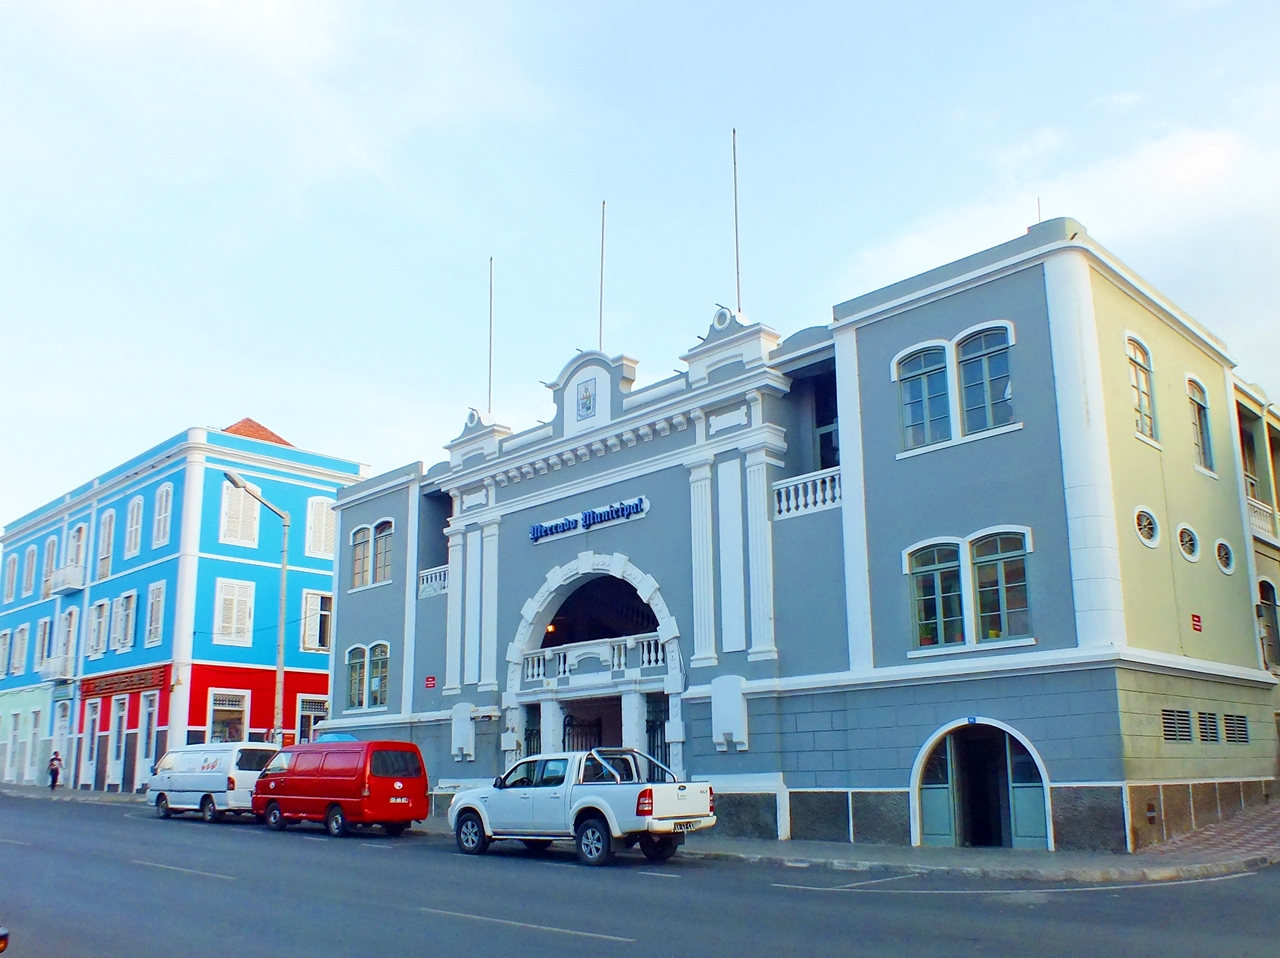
[
  {"x": 433, "y": 581},
  {"x": 68, "y": 579},
  {"x": 58, "y": 667},
  {"x": 559, "y": 661},
  {"x": 1262, "y": 518},
  {"x": 813, "y": 492}
]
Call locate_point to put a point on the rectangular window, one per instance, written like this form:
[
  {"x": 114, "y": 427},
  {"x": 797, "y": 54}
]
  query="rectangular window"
[
  {"x": 164, "y": 510},
  {"x": 91, "y": 732},
  {"x": 239, "y": 517},
  {"x": 29, "y": 571},
  {"x": 985, "y": 389},
  {"x": 106, "y": 542},
  {"x": 227, "y": 721},
  {"x": 34, "y": 743},
  {"x": 133, "y": 528},
  {"x": 378, "y": 659},
  {"x": 355, "y": 678},
  {"x": 825, "y": 422},
  {"x": 10, "y": 577},
  {"x": 1000, "y": 573},
  {"x": 149, "y": 710},
  {"x": 1236, "y": 729},
  {"x": 99, "y": 624},
  {"x": 317, "y": 612},
  {"x": 1176, "y": 725},
  {"x": 50, "y": 563},
  {"x": 18, "y": 654},
  {"x": 1208, "y": 722},
  {"x": 124, "y": 614},
  {"x": 321, "y": 523},
  {"x": 233, "y": 623},
  {"x": 4, "y": 651},
  {"x": 70, "y": 635},
  {"x": 155, "y": 614},
  {"x": 44, "y": 649},
  {"x": 117, "y": 728}
]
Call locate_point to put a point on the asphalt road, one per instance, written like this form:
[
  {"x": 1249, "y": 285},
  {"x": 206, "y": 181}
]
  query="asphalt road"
[{"x": 111, "y": 880}]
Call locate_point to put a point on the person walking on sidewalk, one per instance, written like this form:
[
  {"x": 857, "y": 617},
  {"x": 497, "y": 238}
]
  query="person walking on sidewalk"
[{"x": 55, "y": 770}]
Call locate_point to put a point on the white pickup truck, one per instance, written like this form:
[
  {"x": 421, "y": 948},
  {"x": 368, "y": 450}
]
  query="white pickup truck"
[{"x": 605, "y": 799}]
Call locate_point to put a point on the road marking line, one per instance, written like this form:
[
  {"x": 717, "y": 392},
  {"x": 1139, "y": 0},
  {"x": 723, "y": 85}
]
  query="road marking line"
[
  {"x": 372, "y": 845},
  {"x": 661, "y": 875},
  {"x": 189, "y": 871},
  {"x": 877, "y": 881},
  {"x": 525, "y": 924},
  {"x": 1014, "y": 891},
  {"x": 312, "y": 838},
  {"x": 10, "y": 841}
]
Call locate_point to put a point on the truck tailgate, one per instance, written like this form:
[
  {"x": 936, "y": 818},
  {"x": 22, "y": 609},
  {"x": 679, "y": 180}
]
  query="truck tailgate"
[{"x": 682, "y": 800}]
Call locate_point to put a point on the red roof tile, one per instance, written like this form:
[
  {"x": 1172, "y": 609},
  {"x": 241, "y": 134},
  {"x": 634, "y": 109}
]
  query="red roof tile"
[{"x": 251, "y": 429}]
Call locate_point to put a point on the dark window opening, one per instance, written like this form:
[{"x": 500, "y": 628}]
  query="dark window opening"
[
  {"x": 254, "y": 759},
  {"x": 603, "y": 608},
  {"x": 825, "y": 421},
  {"x": 395, "y": 764}
]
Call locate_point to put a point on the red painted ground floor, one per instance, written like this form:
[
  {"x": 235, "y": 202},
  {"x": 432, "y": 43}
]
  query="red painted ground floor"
[{"x": 123, "y": 722}]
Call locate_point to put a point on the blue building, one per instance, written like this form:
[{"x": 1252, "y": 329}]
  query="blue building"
[{"x": 140, "y": 609}]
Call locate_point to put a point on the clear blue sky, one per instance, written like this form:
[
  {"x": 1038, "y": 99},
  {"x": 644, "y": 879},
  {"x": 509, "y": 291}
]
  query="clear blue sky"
[{"x": 286, "y": 210}]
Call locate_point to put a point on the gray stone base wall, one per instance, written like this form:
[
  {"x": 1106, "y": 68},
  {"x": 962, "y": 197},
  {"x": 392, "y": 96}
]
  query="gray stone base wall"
[
  {"x": 1088, "y": 818},
  {"x": 746, "y": 815},
  {"x": 871, "y": 818}
]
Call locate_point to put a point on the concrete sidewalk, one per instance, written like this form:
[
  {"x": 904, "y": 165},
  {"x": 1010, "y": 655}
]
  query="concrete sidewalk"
[
  {"x": 64, "y": 794},
  {"x": 1203, "y": 858}
]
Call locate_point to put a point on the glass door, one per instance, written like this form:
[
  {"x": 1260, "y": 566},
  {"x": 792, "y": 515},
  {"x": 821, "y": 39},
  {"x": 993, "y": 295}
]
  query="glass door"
[
  {"x": 1026, "y": 798},
  {"x": 937, "y": 808}
]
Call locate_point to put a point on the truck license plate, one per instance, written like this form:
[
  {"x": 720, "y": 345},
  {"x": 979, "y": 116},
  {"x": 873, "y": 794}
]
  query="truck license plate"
[
  {"x": 685, "y": 826},
  {"x": 396, "y": 800}
]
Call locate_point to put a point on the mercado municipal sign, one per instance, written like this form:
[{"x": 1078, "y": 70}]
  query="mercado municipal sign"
[{"x": 636, "y": 508}]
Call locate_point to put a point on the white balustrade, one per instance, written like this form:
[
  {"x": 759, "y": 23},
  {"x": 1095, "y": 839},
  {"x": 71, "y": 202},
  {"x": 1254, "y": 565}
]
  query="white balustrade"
[
  {"x": 68, "y": 579},
  {"x": 809, "y": 493},
  {"x": 652, "y": 652},
  {"x": 1262, "y": 518},
  {"x": 58, "y": 667},
  {"x": 535, "y": 666},
  {"x": 433, "y": 581},
  {"x": 559, "y": 661}
]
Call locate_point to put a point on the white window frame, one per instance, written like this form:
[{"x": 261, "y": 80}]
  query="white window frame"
[
  {"x": 44, "y": 641},
  {"x": 234, "y": 536},
  {"x": 99, "y": 627},
  {"x": 49, "y": 566},
  {"x": 149, "y": 704},
  {"x": 124, "y": 624},
  {"x": 106, "y": 545},
  {"x": 968, "y": 591},
  {"x": 301, "y": 712},
  {"x": 10, "y": 577},
  {"x": 68, "y": 632},
  {"x": 373, "y": 550},
  {"x": 316, "y": 549},
  {"x": 346, "y": 679},
  {"x": 118, "y": 730},
  {"x": 246, "y": 694},
  {"x": 954, "y": 401},
  {"x": 6, "y": 638},
  {"x": 163, "y": 518},
  {"x": 77, "y": 545},
  {"x": 154, "y": 633},
  {"x": 306, "y": 643},
  {"x": 133, "y": 527},
  {"x": 220, "y": 635},
  {"x": 351, "y": 542},
  {"x": 29, "y": 570},
  {"x": 92, "y": 728},
  {"x": 18, "y": 649},
  {"x": 33, "y": 743},
  {"x": 1154, "y": 438}
]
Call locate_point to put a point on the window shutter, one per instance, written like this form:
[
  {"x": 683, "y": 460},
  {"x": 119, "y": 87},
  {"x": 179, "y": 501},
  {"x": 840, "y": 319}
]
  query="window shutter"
[
  {"x": 248, "y": 518},
  {"x": 226, "y": 609},
  {"x": 330, "y": 529},
  {"x": 311, "y": 625},
  {"x": 230, "y": 512},
  {"x": 244, "y": 612},
  {"x": 117, "y": 623}
]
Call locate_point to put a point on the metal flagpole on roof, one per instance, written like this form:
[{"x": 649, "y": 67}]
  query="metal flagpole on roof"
[
  {"x": 601, "y": 344},
  {"x": 490, "y": 335},
  {"x": 737, "y": 266}
]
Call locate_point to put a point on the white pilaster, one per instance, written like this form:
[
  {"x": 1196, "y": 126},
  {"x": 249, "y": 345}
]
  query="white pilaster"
[
  {"x": 184, "y": 603},
  {"x": 471, "y": 621},
  {"x": 733, "y": 597},
  {"x": 453, "y": 624},
  {"x": 853, "y": 510},
  {"x": 552, "y": 726},
  {"x": 1086, "y": 459},
  {"x": 704, "y": 612},
  {"x": 489, "y": 608},
  {"x": 633, "y": 721},
  {"x": 760, "y": 552},
  {"x": 407, "y": 680}
]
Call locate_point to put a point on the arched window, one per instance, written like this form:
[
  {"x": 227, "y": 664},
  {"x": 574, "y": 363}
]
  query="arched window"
[
  {"x": 133, "y": 528},
  {"x": 106, "y": 542},
  {"x": 1000, "y": 574},
  {"x": 935, "y": 583},
  {"x": 29, "y": 571},
  {"x": 1140, "y": 382},
  {"x": 355, "y": 678},
  {"x": 164, "y": 511},
  {"x": 987, "y": 393},
  {"x": 1270, "y": 627},
  {"x": 926, "y": 408},
  {"x": 382, "y": 552},
  {"x": 10, "y": 577},
  {"x": 378, "y": 657},
  {"x": 50, "y": 564},
  {"x": 360, "y": 569},
  {"x": 1200, "y": 424}
]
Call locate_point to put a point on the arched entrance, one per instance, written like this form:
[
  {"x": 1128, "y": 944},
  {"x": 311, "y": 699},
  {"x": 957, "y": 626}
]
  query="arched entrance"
[
  {"x": 979, "y": 783},
  {"x": 596, "y": 655}
]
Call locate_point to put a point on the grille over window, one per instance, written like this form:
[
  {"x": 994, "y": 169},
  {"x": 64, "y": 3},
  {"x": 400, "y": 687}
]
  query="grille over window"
[
  {"x": 228, "y": 701},
  {"x": 1208, "y": 726},
  {"x": 1146, "y": 525},
  {"x": 1176, "y": 724},
  {"x": 1236, "y": 728}
]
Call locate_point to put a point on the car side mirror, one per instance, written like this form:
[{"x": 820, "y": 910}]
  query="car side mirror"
[{"x": 497, "y": 782}]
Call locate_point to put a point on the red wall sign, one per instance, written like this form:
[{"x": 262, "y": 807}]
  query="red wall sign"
[
  {"x": 1196, "y": 624},
  {"x": 431, "y": 681}
]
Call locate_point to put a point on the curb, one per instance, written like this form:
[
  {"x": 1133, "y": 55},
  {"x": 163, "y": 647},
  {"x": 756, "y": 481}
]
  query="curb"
[
  {"x": 71, "y": 796},
  {"x": 1160, "y": 873}
]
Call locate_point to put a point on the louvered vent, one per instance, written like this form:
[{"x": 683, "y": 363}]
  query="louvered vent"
[
  {"x": 1236, "y": 728},
  {"x": 1208, "y": 726},
  {"x": 1176, "y": 724}
]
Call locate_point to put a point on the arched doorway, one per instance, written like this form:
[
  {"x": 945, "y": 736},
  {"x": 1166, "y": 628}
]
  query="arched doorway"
[
  {"x": 596, "y": 655},
  {"x": 977, "y": 783},
  {"x": 1268, "y": 624}
]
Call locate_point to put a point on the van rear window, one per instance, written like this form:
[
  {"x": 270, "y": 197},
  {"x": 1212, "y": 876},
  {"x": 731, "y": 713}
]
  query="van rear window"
[
  {"x": 342, "y": 763},
  {"x": 397, "y": 764},
  {"x": 254, "y": 759}
]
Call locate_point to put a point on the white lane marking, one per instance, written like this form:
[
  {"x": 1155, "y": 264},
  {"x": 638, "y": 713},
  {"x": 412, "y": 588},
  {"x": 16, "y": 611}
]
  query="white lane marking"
[
  {"x": 525, "y": 924},
  {"x": 1015, "y": 891},
  {"x": 372, "y": 845},
  {"x": 660, "y": 875},
  {"x": 10, "y": 841},
  {"x": 877, "y": 881},
  {"x": 189, "y": 871},
  {"x": 312, "y": 838}
]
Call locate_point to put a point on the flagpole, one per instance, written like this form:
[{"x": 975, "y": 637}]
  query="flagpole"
[
  {"x": 601, "y": 343},
  {"x": 737, "y": 265},
  {"x": 490, "y": 335}
]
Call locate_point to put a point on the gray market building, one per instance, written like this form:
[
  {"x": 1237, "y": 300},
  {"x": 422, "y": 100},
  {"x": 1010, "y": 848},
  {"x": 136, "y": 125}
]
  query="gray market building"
[{"x": 971, "y": 564}]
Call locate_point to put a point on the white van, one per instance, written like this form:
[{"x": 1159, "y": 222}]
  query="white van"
[{"x": 211, "y": 779}]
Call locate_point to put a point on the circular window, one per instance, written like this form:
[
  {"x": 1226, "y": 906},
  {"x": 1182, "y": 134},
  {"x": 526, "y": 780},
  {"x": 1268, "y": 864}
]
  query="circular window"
[
  {"x": 1226, "y": 557},
  {"x": 1147, "y": 528},
  {"x": 1189, "y": 543}
]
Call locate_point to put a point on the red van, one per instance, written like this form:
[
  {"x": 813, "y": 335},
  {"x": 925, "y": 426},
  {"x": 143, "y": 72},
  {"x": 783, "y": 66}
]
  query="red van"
[{"x": 344, "y": 784}]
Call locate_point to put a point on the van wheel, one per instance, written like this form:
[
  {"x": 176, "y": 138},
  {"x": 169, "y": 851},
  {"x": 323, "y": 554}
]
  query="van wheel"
[
  {"x": 336, "y": 822},
  {"x": 394, "y": 829},
  {"x": 275, "y": 818},
  {"x": 537, "y": 845},
  {"x": 594, "y": 842},
  {"x": 162, "y": 806},
  {"x": 470, "y": 834},
  {"x": 209, "y": 811},
  {"x": 657, "y": 848}
]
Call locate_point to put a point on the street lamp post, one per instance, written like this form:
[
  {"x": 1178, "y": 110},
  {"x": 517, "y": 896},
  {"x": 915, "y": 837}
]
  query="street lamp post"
[{"x": 277, "y": 732}]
